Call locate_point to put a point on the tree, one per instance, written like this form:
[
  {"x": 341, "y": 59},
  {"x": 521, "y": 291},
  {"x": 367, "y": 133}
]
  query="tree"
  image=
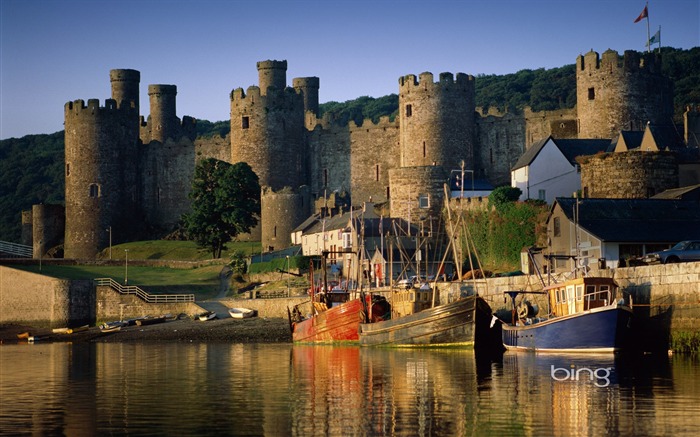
[
  {"x": 502, "y": 196},
  {"x": 225, "y": 203}
]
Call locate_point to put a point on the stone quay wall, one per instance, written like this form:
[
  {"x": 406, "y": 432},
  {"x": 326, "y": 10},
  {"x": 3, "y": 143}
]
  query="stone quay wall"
[
  {"x": 112, "y": 305},
  {"x": 34, "y": 299}
]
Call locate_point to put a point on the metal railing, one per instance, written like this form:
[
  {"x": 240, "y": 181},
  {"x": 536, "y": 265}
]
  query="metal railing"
[
  {"x": 18, "y": 250},
  {"x": 147, "y": 297}
]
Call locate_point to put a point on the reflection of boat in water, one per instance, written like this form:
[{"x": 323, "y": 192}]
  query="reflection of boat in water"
[
  {"x": 586, "y": 315},
  {"x": 464, "y": 322}
]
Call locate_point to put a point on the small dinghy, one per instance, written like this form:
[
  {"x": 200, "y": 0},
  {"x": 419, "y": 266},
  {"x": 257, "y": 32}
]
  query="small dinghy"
[
  {"x": 112, "y": 326},
  {"x": 209, "y": 315},
  {"x": 242, "y": 313}
]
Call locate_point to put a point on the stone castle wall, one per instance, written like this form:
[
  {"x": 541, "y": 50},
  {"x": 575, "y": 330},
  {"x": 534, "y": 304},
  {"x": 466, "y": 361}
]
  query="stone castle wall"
[
  {"x": 637, "y": 175},
  {"x": 501, "y": 140},
  {"x": 374, "y": 149},
  {"x": 276, "y": 129}
]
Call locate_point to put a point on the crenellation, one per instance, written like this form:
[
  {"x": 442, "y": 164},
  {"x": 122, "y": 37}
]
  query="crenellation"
[{"x": 140, "y": 167}]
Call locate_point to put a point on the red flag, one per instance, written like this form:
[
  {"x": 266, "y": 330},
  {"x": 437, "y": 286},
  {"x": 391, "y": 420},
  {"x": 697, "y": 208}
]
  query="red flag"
[{"x": 644, "y": 14}]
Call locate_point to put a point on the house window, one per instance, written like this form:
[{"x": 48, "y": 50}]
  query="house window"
[
  {"x": 409, "y": 110},
  {"x": 591, "y": 93},
  {"x": 245, "y": 122},
  {"x": 423, "y": 201},
  {"x": 541, "y": 195},
  {"x": 347, "y": 240},
  {"x": 557, "y": 227},
  {"x": 94, "y": 190}
]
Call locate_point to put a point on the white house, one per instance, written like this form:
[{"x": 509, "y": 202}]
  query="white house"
[{"x": 548, "y": 169}]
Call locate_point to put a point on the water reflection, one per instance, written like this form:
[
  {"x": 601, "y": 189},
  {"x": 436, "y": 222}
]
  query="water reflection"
[{"x": 222, "y": 389}]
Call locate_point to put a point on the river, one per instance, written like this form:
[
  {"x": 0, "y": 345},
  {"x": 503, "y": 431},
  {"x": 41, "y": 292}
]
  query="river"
[{"x": 284, "y": 390}]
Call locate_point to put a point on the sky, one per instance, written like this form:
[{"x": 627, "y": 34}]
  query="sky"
[{"x": 55, "y": 51}]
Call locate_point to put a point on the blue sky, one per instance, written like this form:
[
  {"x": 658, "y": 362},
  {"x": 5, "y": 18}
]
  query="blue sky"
[{"x": 52, "y": 51}]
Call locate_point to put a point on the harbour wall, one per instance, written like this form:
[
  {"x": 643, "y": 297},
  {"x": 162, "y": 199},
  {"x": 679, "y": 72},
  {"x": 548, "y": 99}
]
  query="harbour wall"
[{"x": 666, "y": 298}]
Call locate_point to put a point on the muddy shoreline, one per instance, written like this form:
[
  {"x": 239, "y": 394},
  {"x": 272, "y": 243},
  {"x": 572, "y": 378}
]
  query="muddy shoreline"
[{"x": 187, "y": 330}]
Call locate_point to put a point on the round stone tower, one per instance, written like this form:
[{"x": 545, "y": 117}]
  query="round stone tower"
[
  {"x": 272, "y": 74},
  {"x": 48, "y": 226},
  {"x": 125, "y": 87},
  {"x": 613, "y": 94},
  {"x": 308, "y": 87},
  {"x": 267, "y": 132},
  {"x": 638, "y": 175},
  {"x": 163, "y": 119},
  {"x": 437, "y": 124},
  {"x": 282, "y": 211},
  {"x": 416, "y": 193},
  {"x": 267, "y": 128}
]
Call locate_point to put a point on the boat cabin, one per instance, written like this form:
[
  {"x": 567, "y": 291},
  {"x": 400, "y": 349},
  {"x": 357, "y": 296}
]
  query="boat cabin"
[
  {"x": 581, "y": 294},
  {"x": 411, "y": 301}
]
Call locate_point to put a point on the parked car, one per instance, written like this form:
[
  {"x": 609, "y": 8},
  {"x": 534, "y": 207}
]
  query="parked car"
[{"x": 688, "y": 250}]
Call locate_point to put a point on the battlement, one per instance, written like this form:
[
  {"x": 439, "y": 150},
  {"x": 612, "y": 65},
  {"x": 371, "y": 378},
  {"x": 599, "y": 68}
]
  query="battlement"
[
  {"x": 162, "y": 89},
  {"x": 367, "y": 123},
  {"x": 272, "y": 65},
  {"x": 124, "y": 75},
  {"x": 306, "y": 82},
  {"x": 425, "y": 81},
  {"x": 611, "y": 62},
  {"x": 274, "y": 98},
  {"x": 78, "y": 107}
]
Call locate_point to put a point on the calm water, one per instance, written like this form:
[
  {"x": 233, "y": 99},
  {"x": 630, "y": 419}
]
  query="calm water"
[{"x": 284, "y": 390}]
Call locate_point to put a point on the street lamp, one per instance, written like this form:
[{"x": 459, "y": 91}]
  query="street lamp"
[
  {"x": 288, "y": 274},
  {"x": 126, "y": 266}
]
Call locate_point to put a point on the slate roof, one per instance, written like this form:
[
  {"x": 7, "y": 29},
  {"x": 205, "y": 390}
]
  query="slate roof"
[
  {"x": 667, "y": 137},
  {"x": 636, "y": 220},
  {"x": 570, "y": 148},
  {"x": 633, "y": 139},
  {"x": 691, "y": 192}
]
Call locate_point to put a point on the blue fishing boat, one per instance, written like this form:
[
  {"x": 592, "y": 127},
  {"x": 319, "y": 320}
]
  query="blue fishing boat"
[{"x": 587, "y": 314}]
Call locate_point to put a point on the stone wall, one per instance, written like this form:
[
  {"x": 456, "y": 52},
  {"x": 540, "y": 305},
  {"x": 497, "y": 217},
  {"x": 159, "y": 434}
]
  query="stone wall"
[
  {"x": 374, "y": 149},
  {"x": 269, "y": 308},
  {"x": 112, "y": 305},
  {"x": 637, "y": 175},
  {"x": 30, "y": 298}
]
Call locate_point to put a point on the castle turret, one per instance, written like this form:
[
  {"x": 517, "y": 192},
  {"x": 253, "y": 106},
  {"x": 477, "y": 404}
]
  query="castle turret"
[
  {"x": 437, "y": 120},
  {"x": 100, "y": 170},
  {"x": 281, "y": 212},
  {"x": 125, "y": 87},
  {"x": 308, "y": 87},
  {"x": 613, "y": 93},
  {"x": 272, "y": 74},
  {"x": 691, "y": 123},
  {"x": 163, "y": 119}
]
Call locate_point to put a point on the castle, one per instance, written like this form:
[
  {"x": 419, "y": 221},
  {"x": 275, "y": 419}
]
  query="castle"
[{"x": 131, "y": 175}]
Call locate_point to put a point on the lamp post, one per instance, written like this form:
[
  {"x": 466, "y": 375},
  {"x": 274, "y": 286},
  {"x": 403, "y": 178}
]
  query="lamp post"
[
  {"x": 126, "y": 266},
  {"x": 288, "y": 276},
  {"x": 110, "y": 241}
]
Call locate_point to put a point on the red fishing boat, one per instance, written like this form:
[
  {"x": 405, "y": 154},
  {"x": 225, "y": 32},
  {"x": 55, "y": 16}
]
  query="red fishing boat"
[{"x": 328, "y": 322}]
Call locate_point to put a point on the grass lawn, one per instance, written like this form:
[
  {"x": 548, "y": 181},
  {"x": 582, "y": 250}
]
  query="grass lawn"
[{"x": 202, "y": 281}]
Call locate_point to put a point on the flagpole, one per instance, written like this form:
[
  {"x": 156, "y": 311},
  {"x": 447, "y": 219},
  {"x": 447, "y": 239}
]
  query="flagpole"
[
  {"x": 648, "y": 34},
  {"x": 659, "y": 33}
]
